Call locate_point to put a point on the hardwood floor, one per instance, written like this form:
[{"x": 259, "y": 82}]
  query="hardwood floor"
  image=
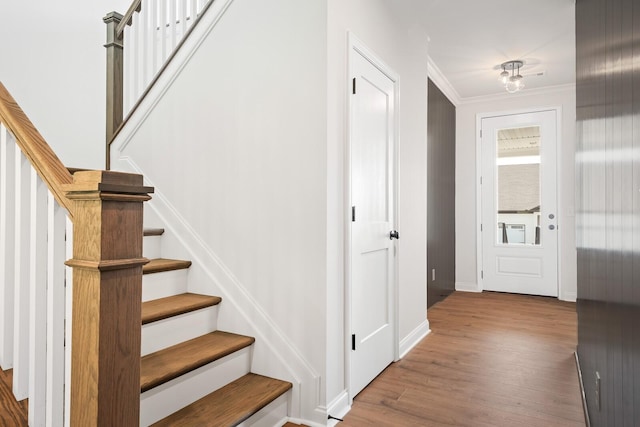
[
  {"x": 491, "y": 360},
  {"x": 12, "y": 413}
]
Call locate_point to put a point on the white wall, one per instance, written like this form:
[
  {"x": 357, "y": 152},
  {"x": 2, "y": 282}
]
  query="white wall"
[
  {"x": 53, "y": 63},
  {"x": 405, "y": 51},
  {"x": 237, "y": 146},
  {"x": 466, "y": 223}
]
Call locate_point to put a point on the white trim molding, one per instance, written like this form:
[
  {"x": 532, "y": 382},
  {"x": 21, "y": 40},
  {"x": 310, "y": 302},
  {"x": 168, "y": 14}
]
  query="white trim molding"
[
  {"x": 339, "y": 407},
  {"x": 523, "y": 93},
  {"x": 410, "y": 341},
  {"x": 443, "y": 83}
]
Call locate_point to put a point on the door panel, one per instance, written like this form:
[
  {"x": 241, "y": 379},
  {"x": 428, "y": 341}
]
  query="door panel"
[
  {"x": 519, "y": 204},
  {"x": 372, "y": 251}
]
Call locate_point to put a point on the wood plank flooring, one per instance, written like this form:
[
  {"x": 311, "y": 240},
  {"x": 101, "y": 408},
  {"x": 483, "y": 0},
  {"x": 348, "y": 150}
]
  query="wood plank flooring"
[
  {"x": 491, "y": 359},
  {"x": 12, "y": 413}
]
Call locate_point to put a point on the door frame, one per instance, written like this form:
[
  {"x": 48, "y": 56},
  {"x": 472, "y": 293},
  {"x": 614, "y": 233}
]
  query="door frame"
[
  {"x": 559, "y": 179},
  {"x": 356, "y": 47}
]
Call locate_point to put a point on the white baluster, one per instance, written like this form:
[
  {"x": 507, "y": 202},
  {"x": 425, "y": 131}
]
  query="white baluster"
[
  {"x": 69, "y": 319},
  {"x": 152, "y": 9},
  {"x": 127, "y": 72},
  {"x": 145, "y": 31},
  {"x": 136, "y": 53},
  {"x": 173, "y": 28},
  {"x": 163, "y": 31},
  {"x": 7, "y": 246},
  {"x": 193, "y": 11},
  {"x": 38, "y": 301},
  {"x": 56, "y": 256},
  {"x": 183, "y": 19},
  {"x": 21, "y": 281}
]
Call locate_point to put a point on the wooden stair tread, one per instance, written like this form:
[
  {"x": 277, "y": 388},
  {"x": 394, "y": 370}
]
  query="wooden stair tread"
[
  {"x": 230, "y": 405},
  {"x": 158, "y": 265},
  {"x": 164, "y": 365},
  {"x": 153, "y": 232},
  {"x": 164, "y": 308}
]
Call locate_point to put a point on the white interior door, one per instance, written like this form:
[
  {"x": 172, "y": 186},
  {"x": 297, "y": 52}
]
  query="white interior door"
[
  {"x": 372, "y": 196},
  {"x": 519, "y": 204}
]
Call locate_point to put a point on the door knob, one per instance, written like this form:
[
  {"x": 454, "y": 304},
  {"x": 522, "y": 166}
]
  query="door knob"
[
  {"x": 394, "y": 235},
  {"x": 552, "y": 227}
]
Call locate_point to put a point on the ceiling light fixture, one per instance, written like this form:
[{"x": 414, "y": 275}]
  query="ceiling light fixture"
[{"x": 511, "y": 77}]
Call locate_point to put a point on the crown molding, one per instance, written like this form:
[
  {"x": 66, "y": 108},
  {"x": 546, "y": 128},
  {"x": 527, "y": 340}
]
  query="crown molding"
[
  {"x": 443, "y": 84},
  {"x": 523, "y": 93}
]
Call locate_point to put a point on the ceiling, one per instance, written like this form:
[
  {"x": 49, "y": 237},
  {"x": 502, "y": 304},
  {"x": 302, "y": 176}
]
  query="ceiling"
[{"x": 469, "y": 39}]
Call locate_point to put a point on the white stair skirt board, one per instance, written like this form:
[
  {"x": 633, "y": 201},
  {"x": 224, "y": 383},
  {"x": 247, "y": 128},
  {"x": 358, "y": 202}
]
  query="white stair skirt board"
[
  {"x": 151, "y": 247},
  {"x": 274, "y": 414},
  {"x": 467, "y": 287},
  {"x": 174, "y": 330},
  {"x": 174, "y": 395},
  {"x": 164, "y": 284}
]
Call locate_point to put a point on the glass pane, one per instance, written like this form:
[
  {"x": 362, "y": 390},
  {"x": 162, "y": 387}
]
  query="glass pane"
[{"x": 518, "y": 186}]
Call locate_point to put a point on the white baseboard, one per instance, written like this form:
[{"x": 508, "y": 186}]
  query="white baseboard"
[
  {"x": 339, "y": 407},
  {"x": 414, "y": 337},
  {"x": 569, "y": 296},
  {"x": 467, "y": 287}
]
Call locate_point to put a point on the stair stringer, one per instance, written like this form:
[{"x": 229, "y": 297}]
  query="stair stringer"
[{"x": 273, "y": 354}]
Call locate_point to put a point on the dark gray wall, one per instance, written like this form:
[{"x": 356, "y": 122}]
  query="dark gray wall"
[
  {"x": 441, "y": 152},
  {"x": 608, "y": 207}
]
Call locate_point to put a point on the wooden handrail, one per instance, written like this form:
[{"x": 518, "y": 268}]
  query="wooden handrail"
[
  {"x": 48, "y": 166},
  {"x": 135, "y": 7},
  {"x": 107, "y": 212}
]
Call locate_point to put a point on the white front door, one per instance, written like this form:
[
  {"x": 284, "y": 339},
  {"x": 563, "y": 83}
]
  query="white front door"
[
  {"x": 372, "y": 200},
  {"x": 519, "y": 204}
]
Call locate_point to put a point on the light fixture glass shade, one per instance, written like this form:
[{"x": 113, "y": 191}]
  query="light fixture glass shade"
[
  {"x": 512, "y": 86},
  {"x": 504, "y": 77},
  {"x": 511, "y": 77}
]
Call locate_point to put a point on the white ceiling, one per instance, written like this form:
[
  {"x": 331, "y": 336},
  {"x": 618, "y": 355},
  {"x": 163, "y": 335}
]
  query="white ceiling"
[{"x": 469, "y": 39}]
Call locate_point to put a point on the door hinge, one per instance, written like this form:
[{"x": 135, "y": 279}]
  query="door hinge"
[
  {"x": 481, "y": 227},
  {"x": 353, "y": 342},
  {"x": 480, "y": 133},
  {"x": 354, "y": 86},
  {"x": 482, "y": 274},
  {"x": 480, "y": 180},
  {"x": 353, "y": 214}
]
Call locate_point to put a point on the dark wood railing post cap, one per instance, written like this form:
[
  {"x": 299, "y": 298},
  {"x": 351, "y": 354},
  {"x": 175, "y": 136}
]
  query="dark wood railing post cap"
[
  {"x": 113, "y": 19},
  {"x": 86, "y": 183}
]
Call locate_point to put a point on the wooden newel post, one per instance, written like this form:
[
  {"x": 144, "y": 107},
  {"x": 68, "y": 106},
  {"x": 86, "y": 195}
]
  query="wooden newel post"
[
  {"x": 107, "y": 290},
  {"x": 115, "y": 77}
]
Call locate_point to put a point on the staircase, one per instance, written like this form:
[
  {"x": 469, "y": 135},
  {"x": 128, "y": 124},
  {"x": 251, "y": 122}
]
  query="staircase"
[{"x": 191, "y": 373}]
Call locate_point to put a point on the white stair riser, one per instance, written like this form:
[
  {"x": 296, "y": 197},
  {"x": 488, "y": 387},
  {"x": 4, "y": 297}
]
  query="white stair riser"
[
  {"x": 274, "y": 414},
  {"x": 151, "y": 247},
  {"x": 174, "y": 330},
  {"x": 164, "y": 284},
  {"x": 170, "y": 397}
]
